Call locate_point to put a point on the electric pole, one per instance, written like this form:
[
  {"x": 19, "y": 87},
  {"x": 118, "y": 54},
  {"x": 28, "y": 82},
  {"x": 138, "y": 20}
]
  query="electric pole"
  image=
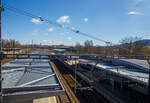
[
  {"x": 32, "y": 46},
  {"x": 0, "y": 51}
]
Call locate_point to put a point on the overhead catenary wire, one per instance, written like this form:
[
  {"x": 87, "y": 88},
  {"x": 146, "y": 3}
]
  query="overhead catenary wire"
[
  {"x": 22, "y": 12},
  {"x": 25, "y": 13},
  {"x": 57, "y": 24}
]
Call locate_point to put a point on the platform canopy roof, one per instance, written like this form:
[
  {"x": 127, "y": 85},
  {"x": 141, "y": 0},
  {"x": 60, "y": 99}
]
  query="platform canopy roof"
[{"x": 26, "y": 79}]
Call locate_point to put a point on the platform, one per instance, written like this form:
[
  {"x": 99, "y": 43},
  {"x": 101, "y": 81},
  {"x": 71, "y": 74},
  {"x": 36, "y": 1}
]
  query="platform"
[
  {"x": 137, "y": 63},
  {"x": 132, "y": 73},
  {"x": 46, "y": 100}
]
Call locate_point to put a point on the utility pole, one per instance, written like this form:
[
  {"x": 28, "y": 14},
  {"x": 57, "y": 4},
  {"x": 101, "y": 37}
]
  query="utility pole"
[
  {"x": 32, "y": 46},
  {"x": 40, "y": 46},
  {"x": 0, "y": 51},
  {"x": 75, "y": 74}
]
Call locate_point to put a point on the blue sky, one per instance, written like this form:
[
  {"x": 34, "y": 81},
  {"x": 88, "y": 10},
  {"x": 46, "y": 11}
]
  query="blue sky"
[{"x": 110, "y": 20}]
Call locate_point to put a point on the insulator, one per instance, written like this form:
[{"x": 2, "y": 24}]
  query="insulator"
[
  {"x": 77, "y": 31},
  {"x": 41, "y": 18}
]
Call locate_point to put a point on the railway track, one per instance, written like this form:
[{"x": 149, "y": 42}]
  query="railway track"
[
  {"x": 69, "y": 97},
  {"x": 85, "y": 95},
  {"x": 63, "y": 99}
]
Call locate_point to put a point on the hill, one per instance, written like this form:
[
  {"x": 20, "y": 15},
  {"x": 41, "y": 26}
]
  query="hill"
[{"x": 146, "y": 42}]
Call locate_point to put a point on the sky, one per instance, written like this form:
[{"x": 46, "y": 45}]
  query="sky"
[{"x": 110, "y": 20}]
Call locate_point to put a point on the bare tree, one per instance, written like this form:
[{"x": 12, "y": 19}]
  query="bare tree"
[
  {"x": 79, "y": 48},
  {"x": 11, "y": 43},
  {"x": 131, "y": 46},
  {"x": 88, "y": 45}
]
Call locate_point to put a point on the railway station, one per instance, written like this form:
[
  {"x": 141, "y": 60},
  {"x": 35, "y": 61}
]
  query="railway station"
[
  {"x": 56, "y": 77},
  {"x": 122, "y": 79},
  {"x": 74, "y": 51}
]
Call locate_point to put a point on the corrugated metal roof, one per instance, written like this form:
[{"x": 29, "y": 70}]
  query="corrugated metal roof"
[
  {"x": 25, "y": 74},
  {"x": 131, "y": 73}
]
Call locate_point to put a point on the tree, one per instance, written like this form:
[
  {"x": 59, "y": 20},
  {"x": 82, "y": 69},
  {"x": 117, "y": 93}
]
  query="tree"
[
  {"x": 131, "y": 46},
  {"x": 88, "y": 45},
  {"x": 79, "y": 48},
  {"x": 11, "y": 43},
  {"x": 89, "y": 48}
]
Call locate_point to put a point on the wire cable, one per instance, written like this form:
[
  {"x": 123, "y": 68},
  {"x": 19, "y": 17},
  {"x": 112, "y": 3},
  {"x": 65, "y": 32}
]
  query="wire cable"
[{"x": 22, "y": 12}]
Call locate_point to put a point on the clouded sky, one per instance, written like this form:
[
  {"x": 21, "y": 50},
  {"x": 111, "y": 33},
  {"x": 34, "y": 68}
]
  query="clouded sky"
[{"x": 109, "y": 20}]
